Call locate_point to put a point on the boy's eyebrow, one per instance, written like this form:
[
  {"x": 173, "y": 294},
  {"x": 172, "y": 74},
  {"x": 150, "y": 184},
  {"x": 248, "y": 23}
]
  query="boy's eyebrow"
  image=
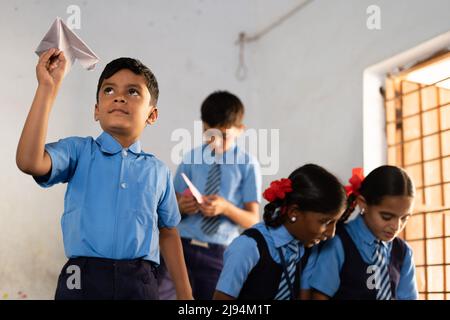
[
  {"x": 108, "y": 84},
  {"x": 135, "y": 85},
  {"x": 128, "y": 85}
]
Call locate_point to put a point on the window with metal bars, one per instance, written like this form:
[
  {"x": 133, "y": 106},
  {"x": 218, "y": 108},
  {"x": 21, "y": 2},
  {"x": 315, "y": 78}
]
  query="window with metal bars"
[{"x": 418, "y": 140}]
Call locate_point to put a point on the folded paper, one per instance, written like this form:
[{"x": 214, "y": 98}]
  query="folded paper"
[
  {"x": 197, "y": 195},
  {"x": 60, "y": 36}
]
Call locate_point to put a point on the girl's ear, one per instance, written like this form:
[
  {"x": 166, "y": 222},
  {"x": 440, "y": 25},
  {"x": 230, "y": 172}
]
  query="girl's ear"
[
  {"x": 293, "y": 212},
  {"x": 362, "y": 204}
]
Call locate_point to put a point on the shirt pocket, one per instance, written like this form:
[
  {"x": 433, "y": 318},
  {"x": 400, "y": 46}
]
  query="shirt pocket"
[{"x": 145, "y": 199}]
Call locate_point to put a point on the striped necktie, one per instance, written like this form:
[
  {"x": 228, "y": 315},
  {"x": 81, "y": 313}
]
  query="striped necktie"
[
  {"x": 383, "y": 281},
  {"x": 211, "y": 224},
  {"x": 288, "y": 276}
]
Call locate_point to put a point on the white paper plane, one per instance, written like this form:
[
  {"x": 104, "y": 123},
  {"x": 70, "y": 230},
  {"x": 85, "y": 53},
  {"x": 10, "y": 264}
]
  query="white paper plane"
[{"x": 60, "y": 36}]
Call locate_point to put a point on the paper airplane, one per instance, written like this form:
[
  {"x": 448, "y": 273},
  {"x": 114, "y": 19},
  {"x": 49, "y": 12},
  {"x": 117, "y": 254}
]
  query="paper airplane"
[
  {"x": 60, "y": 36},
  {"x": 197, "y": 195}
]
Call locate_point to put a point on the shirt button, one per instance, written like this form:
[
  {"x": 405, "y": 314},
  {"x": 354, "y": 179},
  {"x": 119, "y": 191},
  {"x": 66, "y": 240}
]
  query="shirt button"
[
  {"x": 123, "y": 185},
  {"x": 124, "y": 152}
]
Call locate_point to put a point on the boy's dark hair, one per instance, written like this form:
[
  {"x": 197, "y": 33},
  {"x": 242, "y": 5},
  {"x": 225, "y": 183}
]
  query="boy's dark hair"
[
  {"x": 222, "y": 109},
  {"x": 314, "y": 189},
  {"x": 136, "y": 67},
  {"x": 381, "y": 182}
]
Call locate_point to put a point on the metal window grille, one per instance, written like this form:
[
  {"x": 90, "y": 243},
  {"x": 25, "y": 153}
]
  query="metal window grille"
[{"x": 418, "y": 140}]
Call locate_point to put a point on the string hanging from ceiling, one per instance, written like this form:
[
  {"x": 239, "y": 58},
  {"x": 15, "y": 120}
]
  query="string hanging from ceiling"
[{"x": 243, "y": 39}]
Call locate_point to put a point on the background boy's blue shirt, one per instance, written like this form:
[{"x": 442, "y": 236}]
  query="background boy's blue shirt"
[
  {"x": 325, "y": 274},
  {"x": 242, "y": 255},
  {"x": 116, "y": 198},
  {"x": 240, "y": 183}
]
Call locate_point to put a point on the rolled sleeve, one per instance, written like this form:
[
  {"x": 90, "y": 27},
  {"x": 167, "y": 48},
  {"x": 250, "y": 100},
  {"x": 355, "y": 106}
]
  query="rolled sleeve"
[
  {"x": 239, "y": 259},
  {"x": 63, "y": 155},
  {"x": 168, "y": 212},
  {"x": 325, "y": 276}
]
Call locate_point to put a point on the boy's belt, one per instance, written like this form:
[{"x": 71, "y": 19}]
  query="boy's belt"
[
  {"x": 197, "y": 243},
  {"x": 112, "y": 262}
]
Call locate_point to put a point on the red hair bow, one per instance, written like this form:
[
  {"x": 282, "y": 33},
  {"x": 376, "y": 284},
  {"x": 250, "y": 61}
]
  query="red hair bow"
[
  {"x": 355, "y": 182},
  {"x": 278, "y": 189}
]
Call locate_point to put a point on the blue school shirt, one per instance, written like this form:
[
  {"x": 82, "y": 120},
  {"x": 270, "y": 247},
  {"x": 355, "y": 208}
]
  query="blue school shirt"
[
  {"x": 242, "y": 256},
  {"x": 324, "y": 275},
  {"x": 116, "y": 200},
  {"x": 240, "y": 183}
]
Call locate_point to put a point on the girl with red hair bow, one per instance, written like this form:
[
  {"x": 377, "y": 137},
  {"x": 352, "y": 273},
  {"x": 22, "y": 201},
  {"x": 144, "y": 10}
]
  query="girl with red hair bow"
[
  {"x": 366, "y": 260},
  {"x": 265, "y": 262}
]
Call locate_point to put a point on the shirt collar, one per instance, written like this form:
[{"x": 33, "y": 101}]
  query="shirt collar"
[
  {"x": 281, "y": 236},
  {"x": 209, "y": 157},
  {"x": 364, "y": 232},
  {"x": 136, "y": 147},
  {"x": 110, "y": 145}
]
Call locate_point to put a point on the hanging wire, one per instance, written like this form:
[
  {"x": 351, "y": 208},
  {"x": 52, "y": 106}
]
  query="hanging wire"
[{"x": 241, "y": 71}]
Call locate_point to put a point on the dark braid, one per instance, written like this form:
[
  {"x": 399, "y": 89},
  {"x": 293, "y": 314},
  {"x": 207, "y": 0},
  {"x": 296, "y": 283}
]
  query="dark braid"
[{"x": 314, "y": 189}]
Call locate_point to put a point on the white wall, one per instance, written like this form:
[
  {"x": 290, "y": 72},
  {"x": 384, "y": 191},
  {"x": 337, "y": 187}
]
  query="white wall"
[
  {"x": 310, "y": 74},
  {"x": 304, "y": 77}
]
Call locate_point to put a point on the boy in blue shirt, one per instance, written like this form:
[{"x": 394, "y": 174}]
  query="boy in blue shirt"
[
  {"x": 229, "y": 180},
  {"x": 120, "y": 205}
]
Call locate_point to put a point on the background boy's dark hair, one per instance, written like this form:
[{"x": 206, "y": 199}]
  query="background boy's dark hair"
[
  {"x": 136, "y": 67},
  {"x": 314, "y": 189},
  {"x": 222, "y": 109},
  {"x": 382, "y": 181}
]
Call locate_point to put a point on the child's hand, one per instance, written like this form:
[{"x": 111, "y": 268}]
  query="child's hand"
[
  {"x": 213, "y": 205},
  {"x": 188, "y": 205},
  {"x": 51, "y": 68}
]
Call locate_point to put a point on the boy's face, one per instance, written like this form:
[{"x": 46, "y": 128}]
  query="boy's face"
[
  {"x": 124, "y": 105},
  {"x": 221, "y": 138}
]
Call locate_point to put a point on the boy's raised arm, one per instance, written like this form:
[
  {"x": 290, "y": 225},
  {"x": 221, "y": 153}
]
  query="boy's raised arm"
[{"x": 31, "y": 157}]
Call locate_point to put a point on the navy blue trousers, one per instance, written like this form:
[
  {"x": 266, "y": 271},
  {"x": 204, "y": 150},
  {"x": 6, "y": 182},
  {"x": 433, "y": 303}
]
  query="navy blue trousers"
[
  {"x": 203, "y": 265},
  {"x": 86, "y": 278}
]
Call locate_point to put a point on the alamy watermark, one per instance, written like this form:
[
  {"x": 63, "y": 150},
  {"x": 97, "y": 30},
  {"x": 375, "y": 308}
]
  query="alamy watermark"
[
  {"x": 74, "y": 280},
  {"x": 74, "y": 19},
  {"x": 374, "y": 280},
  {"x": 373, "y": 21},
  {"x": 264, "y": 144}
]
